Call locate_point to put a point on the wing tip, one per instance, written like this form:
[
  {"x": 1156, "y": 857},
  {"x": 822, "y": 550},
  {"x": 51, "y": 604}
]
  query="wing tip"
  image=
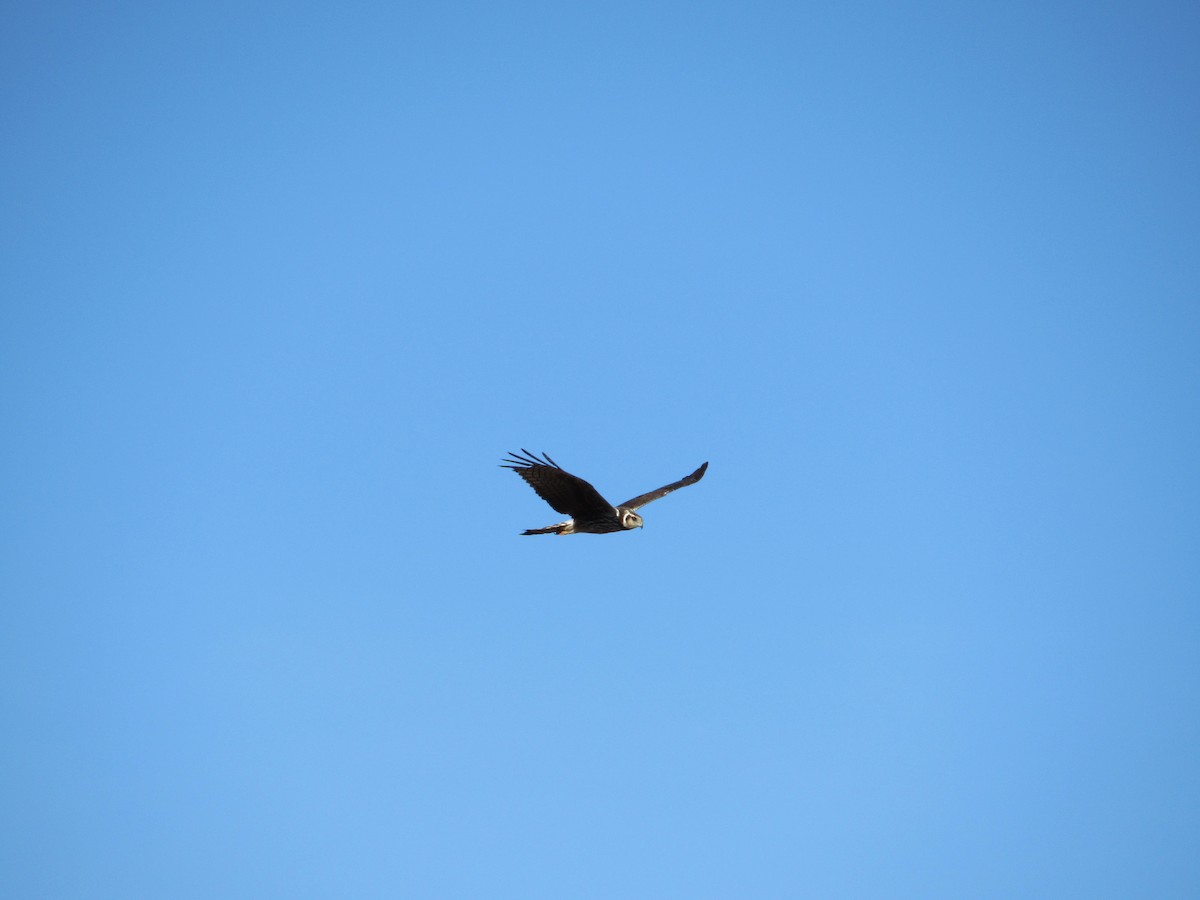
[{"x": 527, "y": 460}]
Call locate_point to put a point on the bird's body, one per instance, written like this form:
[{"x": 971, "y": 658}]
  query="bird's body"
[{"x": 569, "y": 494}]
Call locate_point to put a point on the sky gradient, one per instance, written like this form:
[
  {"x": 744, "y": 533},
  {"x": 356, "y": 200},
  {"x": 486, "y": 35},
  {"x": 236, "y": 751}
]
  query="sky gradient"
[{"x": 282, "y": 284}]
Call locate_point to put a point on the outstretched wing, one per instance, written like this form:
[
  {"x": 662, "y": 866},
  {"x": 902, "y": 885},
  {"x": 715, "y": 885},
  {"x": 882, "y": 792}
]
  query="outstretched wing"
[
  {"x": 566, "y": 493},
  {"x": 642, "y": 499}
]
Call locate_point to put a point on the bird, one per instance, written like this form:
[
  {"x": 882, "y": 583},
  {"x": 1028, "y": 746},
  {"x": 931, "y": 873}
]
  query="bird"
[{"x": 571, "y": 495}]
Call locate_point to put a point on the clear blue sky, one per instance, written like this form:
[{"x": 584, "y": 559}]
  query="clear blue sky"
[{"x": 282, "y": 283}]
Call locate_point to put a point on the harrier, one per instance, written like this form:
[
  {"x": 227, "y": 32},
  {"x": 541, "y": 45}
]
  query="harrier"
[{"x": 572, "y": 496}]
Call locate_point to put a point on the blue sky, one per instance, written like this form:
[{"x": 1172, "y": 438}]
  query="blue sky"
[{"x": 283, "y": 283}]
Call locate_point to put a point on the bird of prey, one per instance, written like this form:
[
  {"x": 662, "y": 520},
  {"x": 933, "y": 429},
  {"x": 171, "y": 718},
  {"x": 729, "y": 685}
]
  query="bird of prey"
[{"x": 572, "y": 496}]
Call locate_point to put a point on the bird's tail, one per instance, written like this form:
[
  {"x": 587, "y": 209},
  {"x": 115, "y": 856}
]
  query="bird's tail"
[{"x": 552, "y": 529}]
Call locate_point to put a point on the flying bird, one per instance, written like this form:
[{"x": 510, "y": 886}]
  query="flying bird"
[{"x": 572, "y": 496}]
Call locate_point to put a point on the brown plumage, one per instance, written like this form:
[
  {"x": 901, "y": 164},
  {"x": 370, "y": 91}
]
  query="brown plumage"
[{"x": 572, "y": 496}]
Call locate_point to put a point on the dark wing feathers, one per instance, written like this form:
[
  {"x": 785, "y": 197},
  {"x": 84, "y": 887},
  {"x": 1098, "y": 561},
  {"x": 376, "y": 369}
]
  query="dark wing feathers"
[
  {"x": 566, "y": 493},
  {"x": 642, "y": 499}
]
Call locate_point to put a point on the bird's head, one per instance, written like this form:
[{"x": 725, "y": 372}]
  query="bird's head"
[{"x": 630, "y": 519}]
